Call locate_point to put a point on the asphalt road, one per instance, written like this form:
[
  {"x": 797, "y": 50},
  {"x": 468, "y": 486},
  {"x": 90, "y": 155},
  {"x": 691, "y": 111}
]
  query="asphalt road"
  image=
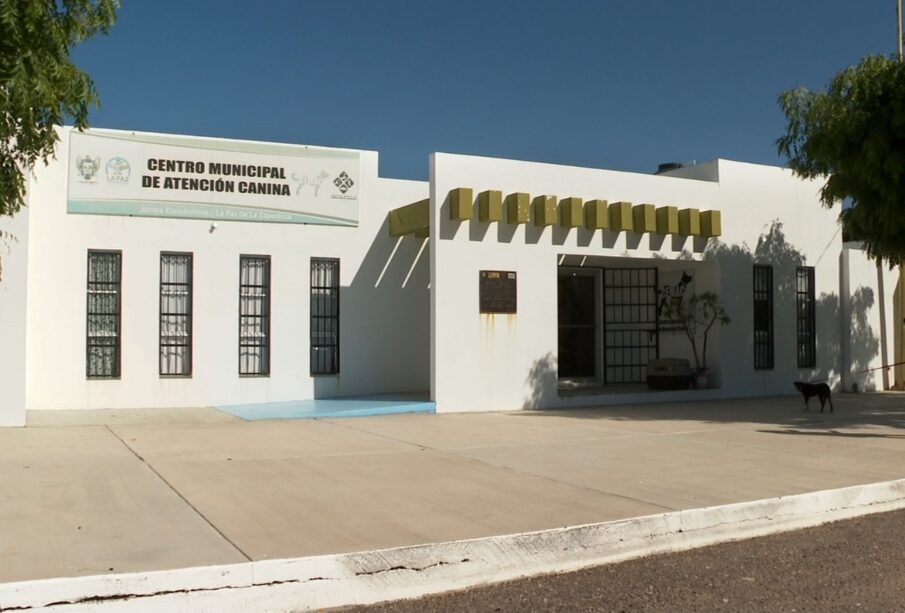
[{"x": 854, "y": 565}]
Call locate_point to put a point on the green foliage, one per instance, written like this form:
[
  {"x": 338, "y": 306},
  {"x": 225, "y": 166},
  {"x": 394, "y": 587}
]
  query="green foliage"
[
  {"x": 39, "y": 86},
  {"x": 854, "y": 135},
  {"x": 697, "y": 313}
]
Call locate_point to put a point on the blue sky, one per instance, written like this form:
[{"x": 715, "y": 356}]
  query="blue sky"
[{"x": 621, "y": 84}]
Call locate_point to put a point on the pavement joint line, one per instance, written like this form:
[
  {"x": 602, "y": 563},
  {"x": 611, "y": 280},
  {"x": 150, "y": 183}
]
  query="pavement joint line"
[
  {"x": 419, "y": 446},
  {"x": 567, "y": 483},
  {"x": 179, "y": 494},
  {"x": 369, "y": 577},
  {"x": 473, "y": 460},
  {"x": 585, "y": 438}
]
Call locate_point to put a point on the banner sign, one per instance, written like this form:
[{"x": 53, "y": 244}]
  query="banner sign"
[{"x": 148, "y": 175}]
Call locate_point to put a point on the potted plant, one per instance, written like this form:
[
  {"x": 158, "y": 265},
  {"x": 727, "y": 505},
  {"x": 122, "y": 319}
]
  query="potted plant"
[{"x": 696, "y": 315}]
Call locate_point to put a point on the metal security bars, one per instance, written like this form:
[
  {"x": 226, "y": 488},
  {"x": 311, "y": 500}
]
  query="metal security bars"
[
  {"x": 103, "y": 314},
  {"x": 324, "y": 316},
  {"x": 763, "y": 317},
  {"x": 631, "y": 331},
  {"x": 254, "y": 315},
  {"x": 175, "y": 314},
  {"x": 806, "y": 320}
]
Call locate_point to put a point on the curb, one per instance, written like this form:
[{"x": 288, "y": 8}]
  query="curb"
[{"x": 408, "y": 572}]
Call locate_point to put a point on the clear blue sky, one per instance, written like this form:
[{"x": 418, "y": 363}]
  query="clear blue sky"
[{"x": 621, "y": 84}]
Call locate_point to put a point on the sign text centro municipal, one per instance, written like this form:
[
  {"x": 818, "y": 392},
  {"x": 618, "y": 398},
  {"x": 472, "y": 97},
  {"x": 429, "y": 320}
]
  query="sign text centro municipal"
[{"x": 148, "y": 175}]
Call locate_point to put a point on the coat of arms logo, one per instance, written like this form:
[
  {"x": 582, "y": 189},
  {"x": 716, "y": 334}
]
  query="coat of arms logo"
[{"x": 87, "y": 167}]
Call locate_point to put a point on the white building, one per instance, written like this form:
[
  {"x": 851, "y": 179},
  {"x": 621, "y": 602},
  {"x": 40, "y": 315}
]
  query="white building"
[{"x": 154, "y": 270}]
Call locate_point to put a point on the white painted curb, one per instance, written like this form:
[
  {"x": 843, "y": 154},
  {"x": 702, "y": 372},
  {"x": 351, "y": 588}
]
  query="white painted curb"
[{"x": 408, "y": 572}]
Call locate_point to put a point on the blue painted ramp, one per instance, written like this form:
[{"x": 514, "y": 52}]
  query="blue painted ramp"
[{"x": 353, "y": 406}]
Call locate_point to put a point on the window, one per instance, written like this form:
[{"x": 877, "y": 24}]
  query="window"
[
  {"x": 103, "y": 314},
  {"x": 254, "y": 315},
  {"x": 807, "y": 338},
  {"x": 176, "y": 314},
  {"x": 324, "y": 316},
  {"x": 763, "y": 317}
]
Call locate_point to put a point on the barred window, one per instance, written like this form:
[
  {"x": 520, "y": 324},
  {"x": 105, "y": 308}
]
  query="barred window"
[
  {"x": 175, "y": 314},
  {"x": 324, "y": 316},
  {"x": 103, "y": 314},
  {"x": 806, "y": 324},
  {"x": 254, "y": 315},
  {"x": 763, "y": 317}
]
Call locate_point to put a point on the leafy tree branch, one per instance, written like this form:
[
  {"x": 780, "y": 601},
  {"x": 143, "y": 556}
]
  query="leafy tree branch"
[
  {"x": 40, "y": 87},
  {"x": 853, "y": 136}
]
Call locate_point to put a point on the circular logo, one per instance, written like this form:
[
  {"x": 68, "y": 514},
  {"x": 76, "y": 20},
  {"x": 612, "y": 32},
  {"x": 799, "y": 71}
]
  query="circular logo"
[{"x": 118, "y": 170}]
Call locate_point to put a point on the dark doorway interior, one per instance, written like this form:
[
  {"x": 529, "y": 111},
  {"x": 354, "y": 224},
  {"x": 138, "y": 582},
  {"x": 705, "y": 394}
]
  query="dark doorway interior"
[{"x": 578, "y": 333}]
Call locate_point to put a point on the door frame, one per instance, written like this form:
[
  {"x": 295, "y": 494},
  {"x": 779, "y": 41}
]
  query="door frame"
[{"x": 597, "y": 274}]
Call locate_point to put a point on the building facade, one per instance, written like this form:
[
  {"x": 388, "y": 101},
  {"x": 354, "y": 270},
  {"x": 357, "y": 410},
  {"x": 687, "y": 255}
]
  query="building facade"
[{"x": 155, "y": 270}]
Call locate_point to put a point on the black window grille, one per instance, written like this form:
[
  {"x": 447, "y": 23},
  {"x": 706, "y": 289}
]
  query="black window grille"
[
  {"x": 631, "y": 331},
  {"x": 104, "y": 314},
  {"x": 806, "y": 320},
  {"x": 324, "y": 316},
  {"x": 254, "y": 315},
  {"x": 176, "y": 314},
  {"x": 763, "y": 317}
]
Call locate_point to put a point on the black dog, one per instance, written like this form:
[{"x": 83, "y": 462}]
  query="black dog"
[{"x": 821, "y": 390}]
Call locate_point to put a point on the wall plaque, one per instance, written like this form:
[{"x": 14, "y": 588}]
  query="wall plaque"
[{"x": 498, "y": 291}]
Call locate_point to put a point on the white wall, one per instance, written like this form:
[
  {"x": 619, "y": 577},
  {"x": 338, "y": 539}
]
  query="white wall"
[
  {"x": 384, "y": 302},
  {"x": 862, "y": 349},
  {"x": 494, "y": 362},
  {"x": 754, "y": 197},
  {"x": 13, "y": 304}
]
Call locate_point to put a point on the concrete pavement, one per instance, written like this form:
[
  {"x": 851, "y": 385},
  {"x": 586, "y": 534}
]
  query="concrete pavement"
[{"x": 119, "y": 491}]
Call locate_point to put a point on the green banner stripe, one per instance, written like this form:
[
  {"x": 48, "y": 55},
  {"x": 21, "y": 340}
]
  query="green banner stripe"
[{"x": 194, "y": 210}]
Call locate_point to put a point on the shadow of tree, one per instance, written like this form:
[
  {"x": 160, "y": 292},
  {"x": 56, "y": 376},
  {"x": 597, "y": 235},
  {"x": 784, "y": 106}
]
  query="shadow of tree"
[
  {"x": 853, "y": 412},
  {"x": 834, "y": 433},
  {"x": 863, "y": 343},
  {"x": 543, "y": 381},
  {"x": 774, "y": 250}
]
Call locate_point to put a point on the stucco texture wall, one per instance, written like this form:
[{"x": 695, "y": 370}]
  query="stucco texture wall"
[
  {"x": 505, "y": 362},
  {"x": 384, "y": 317}
]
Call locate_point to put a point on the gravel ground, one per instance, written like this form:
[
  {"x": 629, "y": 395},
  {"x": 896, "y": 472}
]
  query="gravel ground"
[{"x": 854, "y": 565}]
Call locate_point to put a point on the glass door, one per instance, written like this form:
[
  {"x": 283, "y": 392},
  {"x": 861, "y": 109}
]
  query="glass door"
[{"x": 579, "y": 323}]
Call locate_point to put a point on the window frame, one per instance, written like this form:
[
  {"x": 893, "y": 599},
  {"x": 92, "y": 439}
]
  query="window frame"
[
  {"x": 117, "y": 363},
  {"x": 805, "y": 300},
  {"x": 766, "y": 348},
  {"x": 333, "y": 368},
  {"x": 189, "y": 314},
  {"x": 265, "y": 316}
]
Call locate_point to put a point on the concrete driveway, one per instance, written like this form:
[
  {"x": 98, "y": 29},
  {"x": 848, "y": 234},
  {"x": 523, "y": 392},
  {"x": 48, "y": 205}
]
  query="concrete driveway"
[{"x": 119, "y": 491}]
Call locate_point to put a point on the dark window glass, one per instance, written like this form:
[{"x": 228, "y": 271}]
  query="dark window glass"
[
  {"x": 577, "y": 313},
  {"x": 254, "y": 315},
  {"x": 805, "y": 316},
  {"x": 103, "y": 314},
  {"x": 324, "y": 316},
  {"x": 176, "y": 314},
  {"x": 763, "y": 317}
]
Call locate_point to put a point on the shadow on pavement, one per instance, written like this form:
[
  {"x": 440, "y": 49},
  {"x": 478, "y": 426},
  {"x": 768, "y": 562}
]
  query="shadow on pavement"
[{"x": 865, "y": 410}]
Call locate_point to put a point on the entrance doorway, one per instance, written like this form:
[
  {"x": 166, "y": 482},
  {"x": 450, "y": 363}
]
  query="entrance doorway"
[
  {"x": 579, "y": 323},
  {"x": 607, "y": 324}
]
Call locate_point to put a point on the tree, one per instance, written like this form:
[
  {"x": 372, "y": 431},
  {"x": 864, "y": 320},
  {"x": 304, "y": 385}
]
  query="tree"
[
  {"x": 40, "y": 87},
  {"x": 853, "y": 134},
  {"x": 700, "y": 311}
]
